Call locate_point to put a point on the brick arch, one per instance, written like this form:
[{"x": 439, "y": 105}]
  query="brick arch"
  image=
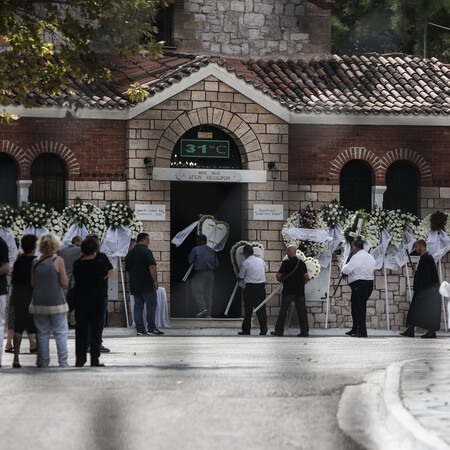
[
  {"x": 352, "y": 153},
  {"x": 409, "y": 155},
  {"x": 58, "y": 149},
  {"x": 246, "y": 139},
  {"x": 16, "y": 152}
]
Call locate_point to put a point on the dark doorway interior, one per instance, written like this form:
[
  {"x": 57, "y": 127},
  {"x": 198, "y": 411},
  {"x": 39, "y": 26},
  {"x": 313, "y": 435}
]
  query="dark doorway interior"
[{"x": 224, "y": 202}]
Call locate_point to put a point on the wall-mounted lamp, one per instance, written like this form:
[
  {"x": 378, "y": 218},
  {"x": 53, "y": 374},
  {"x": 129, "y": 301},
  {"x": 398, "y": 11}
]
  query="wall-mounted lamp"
[
  {"x": 273, "y": 170},
  {"x": 149, "y": 165}
]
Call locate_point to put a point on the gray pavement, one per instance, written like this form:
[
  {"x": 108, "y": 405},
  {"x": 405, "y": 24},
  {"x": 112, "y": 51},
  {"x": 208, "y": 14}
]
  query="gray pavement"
[{"x": 209, "y": 388}]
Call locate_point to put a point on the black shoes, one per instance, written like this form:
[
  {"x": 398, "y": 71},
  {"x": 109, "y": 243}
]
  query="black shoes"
[
  {"x": 359, "y": 335},
  {"x": 263, "y": 332},
  {"x": 303, "y": 335},
  {"x": 407, "y": 333},
  {"x": 351, "y": 332},
  {"x": 275, "y": 333},
  {"x": 429, "y": 335},
  {"x": 244, "y": 333},
  {"x": 104, "y": 349},
  {"x": 156, "y": 332}
]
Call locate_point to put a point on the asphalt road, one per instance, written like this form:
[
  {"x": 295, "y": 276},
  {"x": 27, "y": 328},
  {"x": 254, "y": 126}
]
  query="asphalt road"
[{"x": 196, "y": 392}]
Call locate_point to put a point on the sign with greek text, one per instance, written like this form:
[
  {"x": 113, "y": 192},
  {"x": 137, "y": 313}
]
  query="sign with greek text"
[
  {"x": 267, "y": 212},
  {"x": 151, "y": 212},
  {"x": 200, "y": 175}
]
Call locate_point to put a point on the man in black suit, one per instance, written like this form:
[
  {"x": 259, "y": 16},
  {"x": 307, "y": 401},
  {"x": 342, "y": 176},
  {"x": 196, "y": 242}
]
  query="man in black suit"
[{"x": 425, "y": 309}]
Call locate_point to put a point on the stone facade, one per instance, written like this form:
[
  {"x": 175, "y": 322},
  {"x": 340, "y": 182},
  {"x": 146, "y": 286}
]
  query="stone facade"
[{"x": 252, "y": 27}]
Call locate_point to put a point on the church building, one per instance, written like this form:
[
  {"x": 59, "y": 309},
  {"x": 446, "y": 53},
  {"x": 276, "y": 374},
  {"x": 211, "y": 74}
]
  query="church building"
[{"x": 249, "y": 118}]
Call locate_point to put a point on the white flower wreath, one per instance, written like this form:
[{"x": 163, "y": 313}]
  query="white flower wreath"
[
  {"x": 217, "y": 222},
  {"x": 35, "y": 215},
  {"x": 312, "y": 265},
  {"x": 117, "y": 214},
  {"x": 57, "y": 224},
  {"x": 86, "y": 214},
  {"x": 234, "y": 249}
]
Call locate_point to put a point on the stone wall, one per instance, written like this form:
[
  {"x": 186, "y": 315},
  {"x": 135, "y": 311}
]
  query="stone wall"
[{"x": 252, "y": 27}]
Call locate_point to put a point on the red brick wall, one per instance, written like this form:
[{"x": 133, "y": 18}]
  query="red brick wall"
[
  {"x": 97, "y": 146},
  {"x": 314, "y": 148}
]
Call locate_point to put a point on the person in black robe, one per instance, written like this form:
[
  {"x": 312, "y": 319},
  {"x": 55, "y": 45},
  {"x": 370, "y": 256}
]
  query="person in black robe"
[{"x": 425, "y": 309}]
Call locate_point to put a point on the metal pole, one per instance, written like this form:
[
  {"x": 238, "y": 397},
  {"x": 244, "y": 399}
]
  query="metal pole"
[
  {"x": 387, "y": 298},
  {"x": 328, "y": 295},
  {"x": 124, "y": 294}
]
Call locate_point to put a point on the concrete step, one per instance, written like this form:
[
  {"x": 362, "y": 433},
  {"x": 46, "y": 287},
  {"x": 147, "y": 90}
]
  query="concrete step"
[{"x": 205, "y": 323}]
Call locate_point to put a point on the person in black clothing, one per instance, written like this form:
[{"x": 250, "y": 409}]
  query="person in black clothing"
[
  {"x": 89, "y": 273},
  {"x": 21, "y": 295},
  {"x": 294, "y": 276},
  {"x": 105, "y": 260},
  {"x": 425, "y": 309}
]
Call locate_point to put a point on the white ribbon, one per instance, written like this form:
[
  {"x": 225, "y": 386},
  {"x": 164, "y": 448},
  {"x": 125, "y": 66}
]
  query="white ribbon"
[
  {"x": 116, "y": 243},
  {"x": 336, "y": 239},
  {"x": 74, "y": 230},
  {"x": 438, "y": 244},
  {"x": 181, "y": 236},
  {"x": 306, "y": 234},
  {"x": 7, "y": 235}
]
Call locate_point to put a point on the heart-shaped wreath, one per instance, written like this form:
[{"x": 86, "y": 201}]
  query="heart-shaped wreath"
[
  {"x": 237, "y": 253},
  {"x": 215, "y": 231}
]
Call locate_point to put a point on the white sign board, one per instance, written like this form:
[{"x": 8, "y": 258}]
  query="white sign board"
[
  {"x": 113, "y": 285},
  {"x": 267, "y": 212},
  {"x": 151, "y": 212}
]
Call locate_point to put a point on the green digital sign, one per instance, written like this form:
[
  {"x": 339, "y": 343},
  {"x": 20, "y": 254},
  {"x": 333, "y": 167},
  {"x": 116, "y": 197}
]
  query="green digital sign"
[{"x": 202, "y": 148}]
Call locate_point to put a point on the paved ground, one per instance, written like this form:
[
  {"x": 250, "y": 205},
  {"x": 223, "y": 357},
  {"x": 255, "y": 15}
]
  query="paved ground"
[{"x": 199, "y": 389}]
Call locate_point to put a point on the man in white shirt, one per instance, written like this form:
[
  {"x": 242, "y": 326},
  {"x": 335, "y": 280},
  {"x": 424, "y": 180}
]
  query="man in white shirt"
[
  {"x": 253, "y": 272},
  {"x": 360, "y": 271}
]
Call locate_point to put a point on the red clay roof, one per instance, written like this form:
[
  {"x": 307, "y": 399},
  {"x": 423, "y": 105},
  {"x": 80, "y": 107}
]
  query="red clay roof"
[{"x": 372, "y": 84}]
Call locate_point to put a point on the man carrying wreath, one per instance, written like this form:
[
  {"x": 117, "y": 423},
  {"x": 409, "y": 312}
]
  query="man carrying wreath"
[{"x": 294, "y": 275}]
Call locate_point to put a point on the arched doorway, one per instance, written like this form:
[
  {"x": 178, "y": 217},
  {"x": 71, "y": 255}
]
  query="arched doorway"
[
  {"x": 8, "y": 180},
  {"x": 48, "y": 185},
  {"x": 356, "y": 186},
  {"x": 209, "y": 148},
  {"x": 402, "y": 187}
]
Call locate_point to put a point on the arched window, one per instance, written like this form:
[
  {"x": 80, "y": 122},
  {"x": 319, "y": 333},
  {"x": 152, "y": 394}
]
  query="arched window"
[
  {"x": 48, "y": 185},
  {"x": 8, "y": 180},
  {"x": 356, "y": 186},
  {"x": 402, "y": 183}
]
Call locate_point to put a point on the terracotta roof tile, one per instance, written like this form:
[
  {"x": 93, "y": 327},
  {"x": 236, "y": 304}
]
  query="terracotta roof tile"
[{"x": 367, "y": 84}]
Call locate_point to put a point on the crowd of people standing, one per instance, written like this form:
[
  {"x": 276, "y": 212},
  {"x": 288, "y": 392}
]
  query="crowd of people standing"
[{"x": 39, "y": 286}]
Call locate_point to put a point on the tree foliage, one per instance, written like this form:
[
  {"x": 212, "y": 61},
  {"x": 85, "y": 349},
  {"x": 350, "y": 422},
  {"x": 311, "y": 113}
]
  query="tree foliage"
[
  {"x": 46, "y": 39},
  {"x": 385, "y": 26}
]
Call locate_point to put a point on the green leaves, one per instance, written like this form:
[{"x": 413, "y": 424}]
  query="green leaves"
[{"x": 75, "y": 30}]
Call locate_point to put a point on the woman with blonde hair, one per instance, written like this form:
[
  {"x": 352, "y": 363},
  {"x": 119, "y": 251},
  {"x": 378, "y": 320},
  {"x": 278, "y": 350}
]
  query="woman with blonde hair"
[{"x": 48, "y": 305}]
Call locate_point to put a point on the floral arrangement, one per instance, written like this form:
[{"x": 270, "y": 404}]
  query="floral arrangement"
[
  {"x": 312, "y": 265},
  {"x": 413, "y": 225},
  {"x": 35, "y": 215},
  {"x": 57, "y": 224},
  {"x": 395, "y": 227},
  {"x": 435, "y": 222},
  {"x": 306, "y": 218},
  {"x": 8, "y": 216},
  {"x": 333, "y": 214},
  {"x": 234, "y": 250},
  {"x": 117, "y": 214},
  {"x": 18, "y": 229},
  {"x": 86, "y": 214}
]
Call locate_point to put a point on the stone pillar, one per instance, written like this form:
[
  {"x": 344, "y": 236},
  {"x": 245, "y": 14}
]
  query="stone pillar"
[
  {"x": 23, "y": 189},
  {"x": 377, "y": 195}
]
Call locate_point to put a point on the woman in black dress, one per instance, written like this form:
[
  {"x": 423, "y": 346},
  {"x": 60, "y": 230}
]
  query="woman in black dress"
[
  {"x": 90, "y": 275},
  {"x": 21, "y": 295}
]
